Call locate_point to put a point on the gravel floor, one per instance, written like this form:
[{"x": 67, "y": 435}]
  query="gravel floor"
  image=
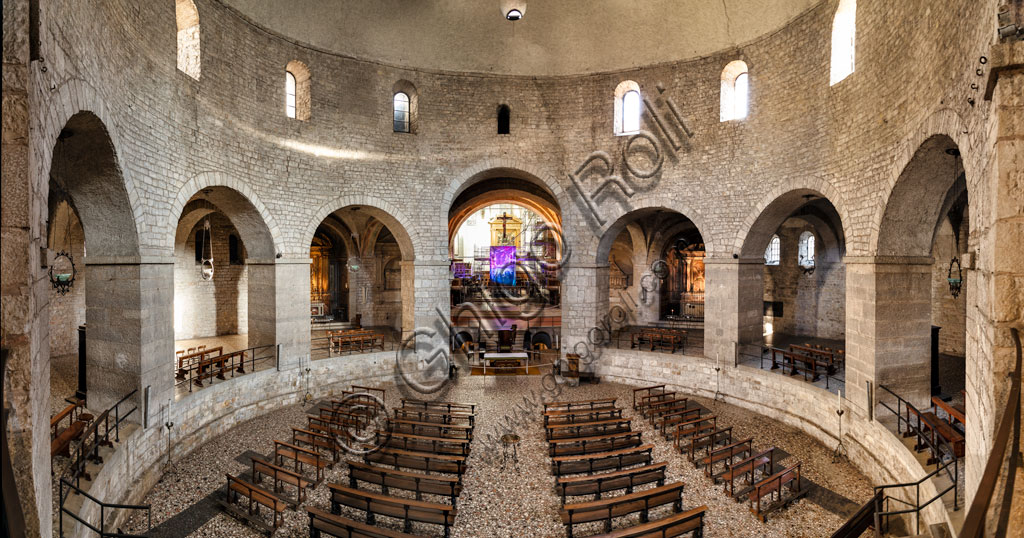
[{"x": 514, "y": 501}]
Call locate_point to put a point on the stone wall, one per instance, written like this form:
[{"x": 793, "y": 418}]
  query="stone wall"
[
  {"x": 949, "y": 312},
  {"x": 210, "y": 307}
]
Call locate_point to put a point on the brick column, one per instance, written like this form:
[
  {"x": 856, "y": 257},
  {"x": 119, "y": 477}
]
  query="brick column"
[
  {"x": 279, "y": 307},
  {"x": 733, "y": 307}
]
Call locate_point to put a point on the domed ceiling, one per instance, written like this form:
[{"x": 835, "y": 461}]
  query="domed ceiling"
[{"x": 555, "y": 37}]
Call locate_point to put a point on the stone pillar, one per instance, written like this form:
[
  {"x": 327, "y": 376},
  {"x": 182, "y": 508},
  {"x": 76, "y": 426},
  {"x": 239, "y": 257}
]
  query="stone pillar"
[
  {"x": 279, "y": 307},
  {"x": 361, "y": 289},
  {"x": 647, "y": 286},
  {"x": 407, "y": 321},
  {"x": 733, "y": 307},
  {"x": 585, "y": 312},
  {"x": 129, "y": 331}
]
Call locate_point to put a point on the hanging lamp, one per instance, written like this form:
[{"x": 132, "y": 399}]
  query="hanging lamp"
[{"x": 955, "y": 279}]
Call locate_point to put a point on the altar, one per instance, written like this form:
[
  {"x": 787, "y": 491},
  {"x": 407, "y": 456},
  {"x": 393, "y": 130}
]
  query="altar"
[{"x": 505, "y": 361}]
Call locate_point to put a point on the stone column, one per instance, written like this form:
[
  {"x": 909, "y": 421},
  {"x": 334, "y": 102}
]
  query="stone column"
[
  {"x": 407, "y": 322},
  {"x": 733, "y": 307},
  {"x": 647, "y": 288},
  {"x": 129, "y": 331},
  {"x": 361, "y": 289},
  {"x": 585, "y": 312},
  {"x": 279, "y": 307}
]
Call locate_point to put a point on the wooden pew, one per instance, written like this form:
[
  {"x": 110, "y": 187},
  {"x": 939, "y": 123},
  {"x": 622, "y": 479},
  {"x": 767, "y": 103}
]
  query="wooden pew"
[
  {"x": 407, "y": 510},
  {"x": 316, "y": 440},
  {"x": 598, "y": 443},
  {"x": 601, "y": 403},
  {"x": 327, "y": 426},
  {"x": 822, "y": 356},
  {"x": 707, "y": 442},
  {"x": 650, "y": 399},
  {"x": 585, "y": 429},
  {"x": 61, "y": 445},
  {"x": 437, "y": 417},
  {"x": 256, "y": 496},
  {"x": 602, "y": 461},
  {"x": 188, "y": 361},
  {"x": 725, "y": 456},
  {"x": 424, "y": 443},
  {"x": 596, "y": 484},
  {"x": 686, "y": 430},
  {"x": 421, "y": 461},
  {"x": 666, "y": 527},
  {"x": 955, "y": 414},
  {"x": 570, "y": 417},
  {"x": 646, "y": 391},
  {"x": 343, "y": 416},
  {"x": 66, "y": 413},
  {"x": 379, "y": 393},
  {"x": 930, "y": 426},
  {"x": 426, "y": 405},
  {"x": 417, "y": 427},
  {"x": 657, "y": 409},
  {"x": 773, "y": 486},
  {"x": 322, "y": 522},
  {"x": 394, "y": 478},
  {"x": 623, "y": 505},
  {"x": 670, "y": 420},
  {"x": 280, "y": 475},
  {"x": 763, "y": 461},
  {"x": 301, "y": 456}
]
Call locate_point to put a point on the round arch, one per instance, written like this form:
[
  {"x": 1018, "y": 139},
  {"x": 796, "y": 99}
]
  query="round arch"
[
  {"x": 641, "y": 206},
  {"x": 501, "y": 168},
  {"x": 550, "y": 215},
  {"x": 391, "y": 216},
  {"x": 773, "y": 211}
]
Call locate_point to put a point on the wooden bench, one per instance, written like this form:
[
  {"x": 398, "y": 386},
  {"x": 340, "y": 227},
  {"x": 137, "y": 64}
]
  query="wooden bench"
[
  {"x": 411, "y": 403},
  {"x": 417, "y": 427},
  {"x": 66, "y": 413},
  {"x": 668, "y": 420},
  {"x": 707, "y": 442},
  {"x": 596, "y": 484},
  {"x": 667, "y": 527},
  {"x": 359, "y": 340},
  {"x": 188, "y": 360},
  {"x": 602, "y": 461},
  {"x": 644, "y": 391},
  {"x": 301, "y": 456},
  {"x": 379, "y": 393},
  {"x": 623, "y": 505},
  {"x": 408, "y": 510},
  {"x": 257, "y": 496},
  {"x": 328, "y": 427},
  {"x": 343, "y": 417},
  {"x": 394, "y": 478},
  {"x": 824, "y": 357},
  {"x": 61, "y": 445},
  {"x": 763, "y": 461},
  {"x": 421, "y": 461},
  {"x": 597, "y": 443},
  {"x": 587, "y": 429},
  {"x": 663, "y": 407},
  {"x": 437, "y": 417},
  {"x": 322, "y": 522},
  {"x": 424, "y": 443},
  {"x": 931, "y": 427},
  {"x": 651, "y": 399},
  {"x": 954, "y": 413},
  {"x": 280, "y": 475},
  {"x": 797, "y": 363},
  {"x": 725, "y": 456},
  {"x": 316, "y": 440},
  {"x": 571, "y": 417},
  {"x": 601, "y": 403},
  {"x": 686, "y": 430},
  {"x": 773, "y": 486}
]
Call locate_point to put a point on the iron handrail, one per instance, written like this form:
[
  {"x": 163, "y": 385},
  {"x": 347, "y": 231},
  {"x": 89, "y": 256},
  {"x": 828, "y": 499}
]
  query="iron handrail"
[
  {"x": 943, "y": 446},
  {"x": 917, "y": 505},
  {"x": 104, "y": 506},
  {"x": 974, "y": 522}
]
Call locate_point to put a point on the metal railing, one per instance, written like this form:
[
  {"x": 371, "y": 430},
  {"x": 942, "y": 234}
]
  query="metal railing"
[
  {"x": 768, "y": 357},
  {"x": 208, "y": 369},
  {"x": 863, "y": 518},
  {"x": 883, "y": 511},
  {"x": 104, "y": 510}
]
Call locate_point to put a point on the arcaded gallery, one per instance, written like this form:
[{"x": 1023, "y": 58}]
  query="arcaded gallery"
[{"x": 512, "y": 268}]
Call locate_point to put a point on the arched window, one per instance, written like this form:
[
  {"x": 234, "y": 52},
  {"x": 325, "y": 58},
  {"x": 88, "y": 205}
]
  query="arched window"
[
  {"x": 735, "y": 93},
  {"x": 805, "y": 257},
  {"x": 297, "y": 101},
  {"x": 401, "y": 112},
  {"x": 234, "y": 250},
  {"x": 404, "y": 106},
  {"x": 844, "y": 34},
  {"x": 188, "y": 37},
  {"x": 771, "y": 254},
  {"x": 504, "y": 119},
  {"x": 628, "y": 108},
  {"x": 199, "y": 246}
]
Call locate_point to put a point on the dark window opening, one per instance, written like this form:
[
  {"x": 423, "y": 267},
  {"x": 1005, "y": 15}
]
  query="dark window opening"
[
  {"x": 234, "y": 250},
  {"x": 504, "y": 119},
  {"x": 199, "y": 246}
]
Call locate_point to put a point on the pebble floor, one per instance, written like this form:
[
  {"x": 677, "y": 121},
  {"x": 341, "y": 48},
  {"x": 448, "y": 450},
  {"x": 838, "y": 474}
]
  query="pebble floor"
[{"x": 514, "y": 500}]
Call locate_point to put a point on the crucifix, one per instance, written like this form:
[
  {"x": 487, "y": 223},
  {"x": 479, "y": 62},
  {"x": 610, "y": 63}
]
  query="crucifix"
[{"x": 504, "y": 223}]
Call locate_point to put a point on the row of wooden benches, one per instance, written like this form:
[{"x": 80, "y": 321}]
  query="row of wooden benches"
[
  {"x": 714, "y": 449},
  {"x": 354, "y": 340},
  {"x": 594, "y": 451},
  {"x": 659, "y": 337}
]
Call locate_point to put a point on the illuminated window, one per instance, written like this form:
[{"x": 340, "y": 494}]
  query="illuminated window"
[
  {"x": 289, "y": 94},
  {"x": 735, "y": 93},
  {"x": 188, "y": 37},
  {"x": 806, "y": 251},
  {"x": 401, "y": 112},
  {"x": 771, "y": 254},
  {"x": 297, "y": 100},
  {"x": 844, "y": 33},
  {"x": 628, "y": 108}
]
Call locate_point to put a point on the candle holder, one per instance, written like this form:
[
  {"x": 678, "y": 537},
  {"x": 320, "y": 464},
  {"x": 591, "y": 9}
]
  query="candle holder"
[
  {"x": 718, "y": 384},
  {"x": 168, "y": 425},
  {"x": 839, "y": 454}
]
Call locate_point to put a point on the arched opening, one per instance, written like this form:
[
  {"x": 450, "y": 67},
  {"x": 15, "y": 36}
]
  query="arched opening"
[
  {"x": 188, "y": 37},
  {"x": 628, "y": 108},
  {"x": 735, "y": 93},
  {"x": 361, "y": 282},
  {"x": 655, "y": 260},
  {"x": 90, "y": 218},
  {"x": 298, "y": 103},
  {"x": 405, "y": 105},
  {"x": 800, "y": 303},
  {"x": 505, "y": 247},
  {"x": 844, "y": 41},
  {"x": 504, "y": 119}
]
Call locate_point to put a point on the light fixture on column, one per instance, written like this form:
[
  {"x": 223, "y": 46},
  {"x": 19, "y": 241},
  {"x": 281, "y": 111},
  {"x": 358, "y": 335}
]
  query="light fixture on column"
[
  {"x": 956, "y": 216},
  {"x": 513, "y": 10}
]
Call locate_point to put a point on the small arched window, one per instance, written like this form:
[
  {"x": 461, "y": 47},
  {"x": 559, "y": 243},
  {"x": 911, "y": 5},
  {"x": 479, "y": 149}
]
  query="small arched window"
[
  {"x": 844, "y": 37},
  {"x": 805, "y": 257},
  {"x": 199, "y": 246},
  {"x": 234, "y": 250},
  {"x": 771, "y": 254},
  {"x": 297, "y": 100},
  {"x": 735, "y": 93},
  {"x": 188, "y": 37},
  {"x": 504, "y": 119},
  {"x": 628, "y": 108},
  {"x": 401, "y": 112}
]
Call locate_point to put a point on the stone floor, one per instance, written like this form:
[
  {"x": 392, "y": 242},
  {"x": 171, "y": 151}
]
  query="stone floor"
[{"x": 514, "y": 500}]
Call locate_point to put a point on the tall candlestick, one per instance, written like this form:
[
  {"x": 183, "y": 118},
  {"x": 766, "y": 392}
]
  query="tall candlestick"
[
  {"x": 718, "y": 359},
  {"x": 839, "y": 399}
]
